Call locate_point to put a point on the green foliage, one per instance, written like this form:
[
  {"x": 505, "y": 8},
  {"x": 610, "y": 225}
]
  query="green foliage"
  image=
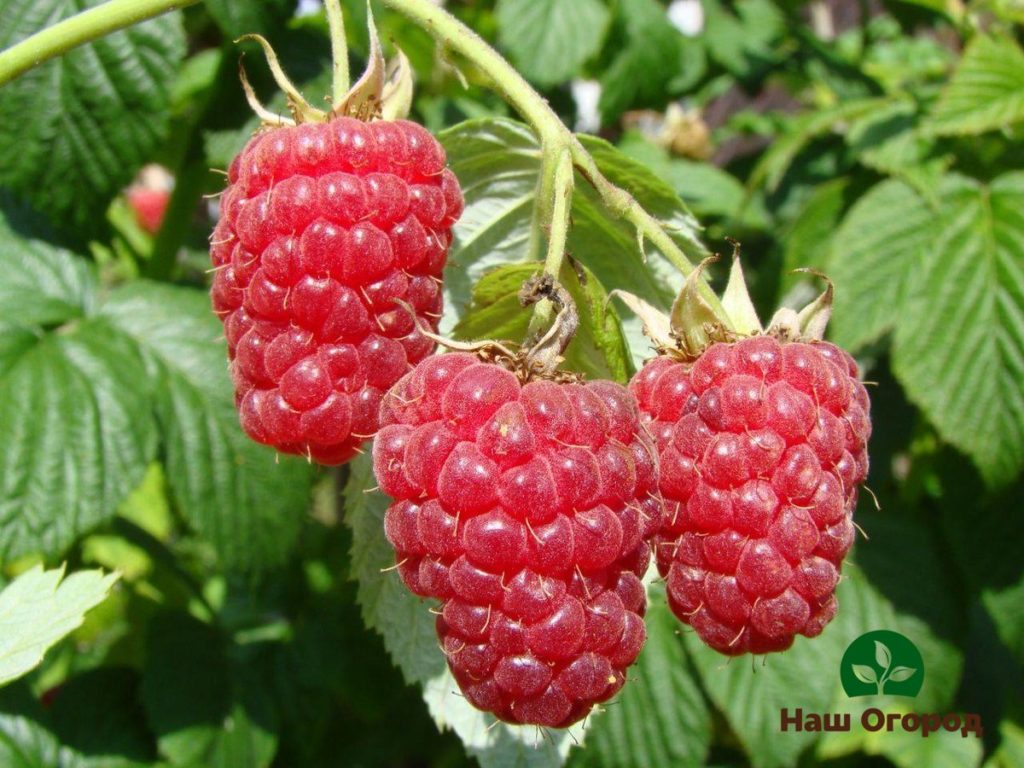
[
  {"x": 240, "y": 497},
  {"x": 38, "y": 609},
  {"x": 549, "y": 40},
  {"x": 256, "y": 621},
  {"x": 75, "y": 130},
  {"x": 987, "y": 89}
]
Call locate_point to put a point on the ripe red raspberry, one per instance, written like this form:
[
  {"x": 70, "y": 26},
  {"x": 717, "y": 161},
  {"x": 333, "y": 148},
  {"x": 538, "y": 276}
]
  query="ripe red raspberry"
[
  {"x": 762, "y": 447},
  {"x": 323, "y": 226},
  {"x": 526, "y": 509}
]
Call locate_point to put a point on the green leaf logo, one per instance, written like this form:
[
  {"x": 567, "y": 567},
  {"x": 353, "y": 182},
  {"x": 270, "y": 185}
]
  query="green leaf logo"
[{"x": 882, "y": 663}]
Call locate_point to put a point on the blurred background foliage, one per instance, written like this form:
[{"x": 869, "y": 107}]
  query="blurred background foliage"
[{"x": 878, "y": 142}]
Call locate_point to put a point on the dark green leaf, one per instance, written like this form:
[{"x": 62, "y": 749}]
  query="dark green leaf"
[
  {"x": 742, "y": 43},
  {"x": 42, "y": 284},
  {"x": 549, "y": 40},
  {"x": 238, "y": 495},
  {"x": 74, "y": 131},
  {"x": 24, "y": 743},
  {"x": 647, "y": 59},
  {"x": 800, "y": 131},
  {"x": 75, "y": 416},
  {"x": 98, "y": 714},
  {"x": 204, "y": 709},
  {"x": 808, "y": 237},
  {"x": 878, "y": 242},
  {"x": 245, "y": 18}
]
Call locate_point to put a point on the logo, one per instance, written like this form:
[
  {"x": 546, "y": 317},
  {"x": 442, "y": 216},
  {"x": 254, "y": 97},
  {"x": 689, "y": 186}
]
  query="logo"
[{"x": 882, "y": 663}]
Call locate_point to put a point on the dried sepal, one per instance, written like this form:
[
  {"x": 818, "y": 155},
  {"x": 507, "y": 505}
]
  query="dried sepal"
[
  {"x": 396, "y": 99},
  {"x": 265, "y": 115},
  {"x": 694, "y": 324},
  {"x": 809, "y": 323},
  {"x": 655, "y": 322},
  {"x": 544, "y": 357},
  {"x": 737, "y": 303},
  {"x": 301, "y": 110}
]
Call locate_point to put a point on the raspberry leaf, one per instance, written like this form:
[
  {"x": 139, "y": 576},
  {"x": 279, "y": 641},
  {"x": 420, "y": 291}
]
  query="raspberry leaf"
[
  {"x": 407, "y": 627},
  {"x": 237, "y": 19},
  {"x": 871, "y": 253},
  {"x": 39, "y": 608},
  {"x": 550, "y": 40},
  {"x": 25, "y": 742},
  {"x": 973, "y": 271},
  {"x": 986, "y": 92},
  {"x": 204, "y": 704},
  {"x": 81, "y": 434},
  {"x": 239, "y": 496},
  {"x": 74, "y": 130},
  {"x": 650, "y": 54},
  {"x": 43, "y": 284}
]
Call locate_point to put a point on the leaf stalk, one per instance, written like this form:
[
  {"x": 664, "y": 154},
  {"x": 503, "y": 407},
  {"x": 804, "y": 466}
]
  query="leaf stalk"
[{"x": 79, "y": 29}]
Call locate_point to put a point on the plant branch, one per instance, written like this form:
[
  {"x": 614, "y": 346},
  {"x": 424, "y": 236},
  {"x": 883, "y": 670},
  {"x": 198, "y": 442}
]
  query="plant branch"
[
  {"x": 80, "y": 29},
  {"x": 552, "y": 133}
]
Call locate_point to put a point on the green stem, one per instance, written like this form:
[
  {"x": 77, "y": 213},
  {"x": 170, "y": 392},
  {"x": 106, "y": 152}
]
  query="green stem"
[
  {"x": 557, "y": 188},
  {"x": 552, "y": 133},
  {"x": 79, "y": 29},
  {"x": 339, "y": 51}
]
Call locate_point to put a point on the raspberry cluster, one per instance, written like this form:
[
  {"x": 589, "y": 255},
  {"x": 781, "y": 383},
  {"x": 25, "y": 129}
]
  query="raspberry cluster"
[
  {"x": 527, "y": 510},
  {"x": 323, "y": 226},
  {"x": 762, "y": 448}
]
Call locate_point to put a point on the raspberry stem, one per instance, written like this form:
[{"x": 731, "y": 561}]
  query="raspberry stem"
[
  {"x": 339, "y": 50},
  {"x": 554, "y": 135},
  {"x": 557, "y": 186},
  {"x": 80, "y": 29}
]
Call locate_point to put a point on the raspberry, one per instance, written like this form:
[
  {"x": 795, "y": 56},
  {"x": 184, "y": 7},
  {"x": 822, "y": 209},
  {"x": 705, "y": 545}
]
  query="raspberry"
[
  {"x": 526, "y": 509},
  {"x": 149, "y": 206},
  {"x": 323, "y": 227},
  {"x": 762, "y": 448}
]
